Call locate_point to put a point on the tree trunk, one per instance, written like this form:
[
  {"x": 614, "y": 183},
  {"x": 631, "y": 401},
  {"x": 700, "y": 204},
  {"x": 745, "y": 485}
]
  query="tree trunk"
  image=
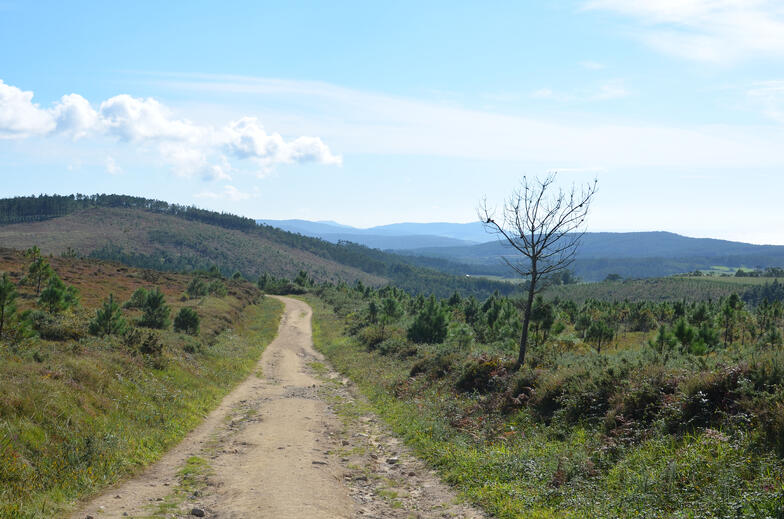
[{"x": 526, "y": 321}]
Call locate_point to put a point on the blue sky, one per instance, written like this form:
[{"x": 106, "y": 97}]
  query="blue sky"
[{"x": 369, "y": 113}]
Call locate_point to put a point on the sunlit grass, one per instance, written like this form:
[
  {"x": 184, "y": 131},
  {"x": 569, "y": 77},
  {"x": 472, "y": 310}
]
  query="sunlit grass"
[{"x": 92, "y": 412}]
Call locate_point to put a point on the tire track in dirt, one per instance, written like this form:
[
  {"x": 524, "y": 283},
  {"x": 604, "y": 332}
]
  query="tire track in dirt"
[{"x": 283, "y": 445}]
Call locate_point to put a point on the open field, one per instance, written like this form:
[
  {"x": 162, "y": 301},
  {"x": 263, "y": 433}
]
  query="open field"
[{"x": 676, "y": 288}]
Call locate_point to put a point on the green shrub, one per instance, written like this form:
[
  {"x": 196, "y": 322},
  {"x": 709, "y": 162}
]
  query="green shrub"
[
  {"x": 137, "y": 300},
  {"x": 56, "y": 327},
  {"x": 372, "y": 336},
  {"x": 155, "y": 311},
  {"x": 430, "y": 325},
  {"x": 108, "y": 320},
  {"x": 706, "y": 395},
  {"x": 151, "y": 345},
  {"x": 57, "y": 296},
  {"x": 435, "y": 366},
  {"x": 642, "y": 400},
  {"x": 196, "y": 288},
  {"x": 397, "y": 346},
  {"x": 460, "y": 336},
  {"x": 773, "y": 427},
  {"x": 217, "y": 288},
  {"x": 484, "y": 373},
  {"x": 187, "y": 320}
]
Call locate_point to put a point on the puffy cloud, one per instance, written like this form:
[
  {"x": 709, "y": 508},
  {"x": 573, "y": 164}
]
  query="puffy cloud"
[
  {"x": 191, "y": 150},
  {"x": 246, "y": 138},
  {"x": 74, "y": 116},
  {"x": 312, "y": 149},
  {"x": 190, "y": 161},
  {"x": 19, "y": 116},
  {"x": 131, "y": 118}
]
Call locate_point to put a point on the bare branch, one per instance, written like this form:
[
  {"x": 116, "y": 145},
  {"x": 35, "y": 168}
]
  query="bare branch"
[{"x": 542, "y": 225}]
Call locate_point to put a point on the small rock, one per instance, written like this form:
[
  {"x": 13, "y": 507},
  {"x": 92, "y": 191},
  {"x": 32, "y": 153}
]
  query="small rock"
[
  {"x": 117, "y": 496},
  {"x": 412, "y": 473},
  {"x": 198, "y": 512},
  {"x": 316, "y": 462},
  {"x": 344, "y": 442},
  {"x": 393, "y": 460},
  {"x": 89, "y": 517},
  {"x": 374, "y": 455}
]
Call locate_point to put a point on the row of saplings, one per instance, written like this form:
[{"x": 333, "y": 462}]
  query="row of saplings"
[
  {"x": 628, "y": 392},
  {"x": 52, "y": 319}
]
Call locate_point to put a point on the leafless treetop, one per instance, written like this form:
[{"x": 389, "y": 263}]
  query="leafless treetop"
[{"x": 542, "y": 224}]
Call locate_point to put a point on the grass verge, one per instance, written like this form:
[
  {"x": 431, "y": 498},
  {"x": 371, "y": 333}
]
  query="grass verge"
[{"x": 76, "y": 417}]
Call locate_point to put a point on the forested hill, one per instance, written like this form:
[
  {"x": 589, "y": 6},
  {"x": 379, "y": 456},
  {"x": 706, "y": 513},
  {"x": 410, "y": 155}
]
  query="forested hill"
[
  {"x": 155, "y": 234},
  {"x": 630, "y": 255}
]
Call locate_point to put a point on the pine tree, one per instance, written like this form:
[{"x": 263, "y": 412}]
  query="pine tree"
[
  {"x": 108, "y": 319},
  {"x": 156, "y": 311},
  {"x": 430, "y": 325},
  {"x": 7, "y": 298}
]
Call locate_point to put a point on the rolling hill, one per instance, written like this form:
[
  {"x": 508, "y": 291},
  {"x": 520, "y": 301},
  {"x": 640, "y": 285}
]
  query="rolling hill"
[
  {"x": 468, "y": 249},
  {"x": 631, "y": 255},
  {"x": 154, "y": 234},
  {"x": 402, "y": 236}
]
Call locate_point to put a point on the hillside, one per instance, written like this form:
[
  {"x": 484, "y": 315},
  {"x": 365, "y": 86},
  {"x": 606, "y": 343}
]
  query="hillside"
[
  {"x": 135, "y": 236},
  {"x": 155, "y": 234},
  {"x": 79, "y": 411},
  {"x": 469, "y": 249}
]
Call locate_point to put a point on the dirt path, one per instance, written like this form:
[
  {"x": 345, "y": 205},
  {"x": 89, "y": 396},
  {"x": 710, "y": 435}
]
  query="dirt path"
[{"x": 293, "y": 440}]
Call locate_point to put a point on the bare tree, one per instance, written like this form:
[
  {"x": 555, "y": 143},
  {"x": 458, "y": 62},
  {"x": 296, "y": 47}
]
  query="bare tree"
[{"x": 544, "y": 224}]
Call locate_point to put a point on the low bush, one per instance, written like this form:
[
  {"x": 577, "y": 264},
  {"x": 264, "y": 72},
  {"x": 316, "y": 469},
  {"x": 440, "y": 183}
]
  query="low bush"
[
  {"x": 57, "y": 327},
  {"x": 196, "y": 288},
  {"x": 706, "y": 395},
  {"x": 137, "y": 299},
  {"x": 435, "y": 365},
  {"x": 187, "y": 321},
  {"x": 484, "y": 373}
]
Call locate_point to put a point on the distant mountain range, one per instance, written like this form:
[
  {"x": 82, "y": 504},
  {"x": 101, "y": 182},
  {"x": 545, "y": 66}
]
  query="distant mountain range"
[
  {"x": 470, "y": 249},
  {"x": 396, "y": 236}
]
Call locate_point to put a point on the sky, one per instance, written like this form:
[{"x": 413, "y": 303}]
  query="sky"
[{"x": 369, "y": 113}]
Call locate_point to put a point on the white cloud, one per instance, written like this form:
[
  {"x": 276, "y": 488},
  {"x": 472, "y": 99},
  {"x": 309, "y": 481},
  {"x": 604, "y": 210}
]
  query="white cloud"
[
  {"x": 111, "y": 166},
  {"x": 719, "y": 31},
  {"x": 229, "y": 192},
  {"x": 134, "y": 119},
  {"x": 770, "y": 96},
  {"x": 19, "y": 116},
  {"x": 188, "y": 148},
  {"x": 371, "y": 123},
  {"x": 246, "y": 138},
  {"x": 74, "y": 116}
]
